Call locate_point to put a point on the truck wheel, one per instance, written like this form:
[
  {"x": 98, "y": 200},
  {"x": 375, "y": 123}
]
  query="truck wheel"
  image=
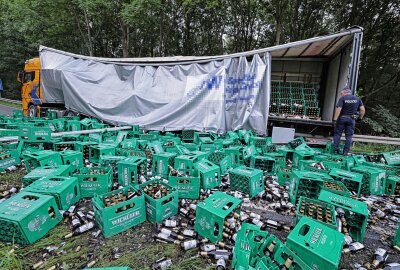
[
  {"x": 69, "y": 113},
  {"x": 32, "y": 111}
]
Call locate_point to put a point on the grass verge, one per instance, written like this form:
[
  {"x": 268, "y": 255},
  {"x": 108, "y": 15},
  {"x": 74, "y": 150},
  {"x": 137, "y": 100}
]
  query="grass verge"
[{"x": 9, "y": 104}]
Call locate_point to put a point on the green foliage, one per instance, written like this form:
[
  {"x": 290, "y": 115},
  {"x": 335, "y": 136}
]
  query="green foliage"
[
  {"x": 8, "y": 259},
  {"x": 140, "y": 28},
  {"x": 383, "y": 122}
]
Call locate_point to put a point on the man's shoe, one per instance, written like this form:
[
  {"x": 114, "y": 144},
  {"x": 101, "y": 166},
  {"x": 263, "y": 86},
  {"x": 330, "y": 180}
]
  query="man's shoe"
[
  {"x": 346, "y": 154},
  {"x": 336, "y": 152}
]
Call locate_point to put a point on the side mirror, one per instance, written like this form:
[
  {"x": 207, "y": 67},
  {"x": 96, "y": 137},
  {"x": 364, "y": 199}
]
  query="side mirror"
[{"x": 20, "y": 77}]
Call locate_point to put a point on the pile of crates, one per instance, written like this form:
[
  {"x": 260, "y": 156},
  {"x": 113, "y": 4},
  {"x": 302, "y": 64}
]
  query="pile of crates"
[{"x": 294, "y": 99}]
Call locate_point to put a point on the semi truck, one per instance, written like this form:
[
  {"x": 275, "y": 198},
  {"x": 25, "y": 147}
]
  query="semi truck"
[{"x": 304, "y": 80}]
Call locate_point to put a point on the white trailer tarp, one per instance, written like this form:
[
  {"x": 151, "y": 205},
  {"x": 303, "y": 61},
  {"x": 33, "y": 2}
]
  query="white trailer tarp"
[{"x": 215, "y": 95}]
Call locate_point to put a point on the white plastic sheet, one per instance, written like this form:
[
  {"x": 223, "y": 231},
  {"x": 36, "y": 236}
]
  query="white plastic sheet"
[{"x": 218, "y": 95}]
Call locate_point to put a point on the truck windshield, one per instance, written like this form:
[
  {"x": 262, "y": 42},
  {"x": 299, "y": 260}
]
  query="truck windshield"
[{"x": 29, "y": 76}]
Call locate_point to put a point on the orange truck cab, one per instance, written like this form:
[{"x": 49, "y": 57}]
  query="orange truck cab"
[{"x": 31, "y": 89}]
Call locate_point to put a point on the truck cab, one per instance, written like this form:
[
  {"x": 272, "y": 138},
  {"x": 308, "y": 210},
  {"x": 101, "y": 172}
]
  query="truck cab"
[{"x": 31, "y": 90}]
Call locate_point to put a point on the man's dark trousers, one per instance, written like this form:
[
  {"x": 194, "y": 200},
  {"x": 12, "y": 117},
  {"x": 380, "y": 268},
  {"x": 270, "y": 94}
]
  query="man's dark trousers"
[{"x": 346, "y": 124}]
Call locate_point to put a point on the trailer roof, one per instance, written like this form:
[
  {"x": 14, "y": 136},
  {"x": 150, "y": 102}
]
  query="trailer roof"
[{"x": 321, "y": 47}]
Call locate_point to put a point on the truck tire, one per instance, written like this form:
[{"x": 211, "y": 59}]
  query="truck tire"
[
  {"x": 69, "y": 113},
  {"x": 32, "y": 111}
]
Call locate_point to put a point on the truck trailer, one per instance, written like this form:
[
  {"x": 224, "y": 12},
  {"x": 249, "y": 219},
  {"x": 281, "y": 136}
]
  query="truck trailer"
[{"x": 291, "y": 85}]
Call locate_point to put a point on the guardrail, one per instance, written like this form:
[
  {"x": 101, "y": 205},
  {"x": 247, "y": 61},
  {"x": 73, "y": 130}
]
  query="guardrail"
[
  {"x": 356, "y": 138},
  {"x": 11, "y": 101}
]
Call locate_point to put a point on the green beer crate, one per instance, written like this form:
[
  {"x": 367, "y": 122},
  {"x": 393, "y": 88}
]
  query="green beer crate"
[
  {"x": 72, "y": 125},
  {"x": 247, "y": 180},
  {"x": 188, "y": 187},
  {"x": 131, "y": 169},
  {"x": 248, "y": 241},
  {"x": 42, "y": 158},
  {"x": 210, "y": 175},
  {"x": 35, "y": 134},
  {"x": 287, "y": 154},
  {"x": 245, "y": 135},
  {"x": 148, "y": 137},
  {"x": 56, "y": 125},
  {"x": 302, "y": 152},
  {"x": 221, "y": 159},
  {"x": 284, "y": 174},
  {"x": 259, "y": 142},
  {"x": 160, "y": 163},
  {"x": 307, "y": 165},
  {"x": 392, "y": 185},
  {"x": 202, "y": 137},
  {"x": 352, "y": 180},
  {"x": 185, "y": 164},
  {"x": 9, "y": 132},
  {"x": 248, "y": 151},
  {"x": 131, "y": 143},
  {"x": 264, "y": 163},
  {"x": 18, "y": 114},
  {"x": 87, "y": 123},
  {"x": 73, "y": 158},
  {"x": 392, "y": 158},
  {"x": 356, "y": 213},
  {"x": 64, "y": 189},
  {"x": 188, "y": 135},
  {"x": 26, "y": 217},
  {"x": 96, "y": 151},
  {"x": 190, "y": 146},
  {"x": 152, "y": 148},
  {"x": 8, "y": 159},
  {"x": 95, "y": 180},
  {"x": 319, "y": 211},
  {"x": 122, "y": 216},
  {"x": 199, "y": 154},
  {"x": 62, "y": 170},
  {"x": 84, "y": 148},
  {"x": 212, "y": 213},
  {"x": 374, "y": 178},
  {"x": 112, "y": 162},
  {"x": 316, "y": 244},
  {"x": 336, "y": 187},
  {"x": 159, "y": 209},
  {"x": 304, "y": 183},
  {"x": 178, "y": 149},
  {"x": 277, "y": 259},
  {"x": 293, "y": 144},
  {"x": 236, "y": 155},
  {"x": 390, "y": 169}
]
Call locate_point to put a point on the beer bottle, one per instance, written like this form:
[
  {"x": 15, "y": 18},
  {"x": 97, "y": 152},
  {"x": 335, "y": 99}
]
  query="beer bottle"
[
  {"x": 191, "y": 244},
  {"x": 162, "y": 264},
  {"x": 221, "y": 265},
  {"x": 269, "y": 251},
  {"x": 172, "y": 234},
  {"x": 170, "y": 223},
  {"x": 353, "y": 247},
  {"x": 81, "y": 229},
  {"x": 380, "y": 257},
  {"x": 217, "y": 254},
  {"x": 288, "y": 263}
]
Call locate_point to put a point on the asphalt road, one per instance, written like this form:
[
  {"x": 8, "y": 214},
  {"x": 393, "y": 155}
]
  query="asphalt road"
[{"x": 5, "y": 110}]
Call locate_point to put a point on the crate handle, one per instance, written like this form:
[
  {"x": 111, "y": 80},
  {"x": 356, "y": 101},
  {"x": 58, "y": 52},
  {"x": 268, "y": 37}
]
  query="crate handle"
[
  {"x": 216, "y": 229},
  {"x": 94, "y": 179},
  {"x": 227, "y": 206},
  {"x": 119, "y": 210},
  {"x": 304, "y": 230},
  {"x": 166, "y": 201},
  {"x": 30, "y": 198},
  {"x": 184, "y": 181}
]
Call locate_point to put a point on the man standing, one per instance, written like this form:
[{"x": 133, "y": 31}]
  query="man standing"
[{"x": 349, "y": 108}]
